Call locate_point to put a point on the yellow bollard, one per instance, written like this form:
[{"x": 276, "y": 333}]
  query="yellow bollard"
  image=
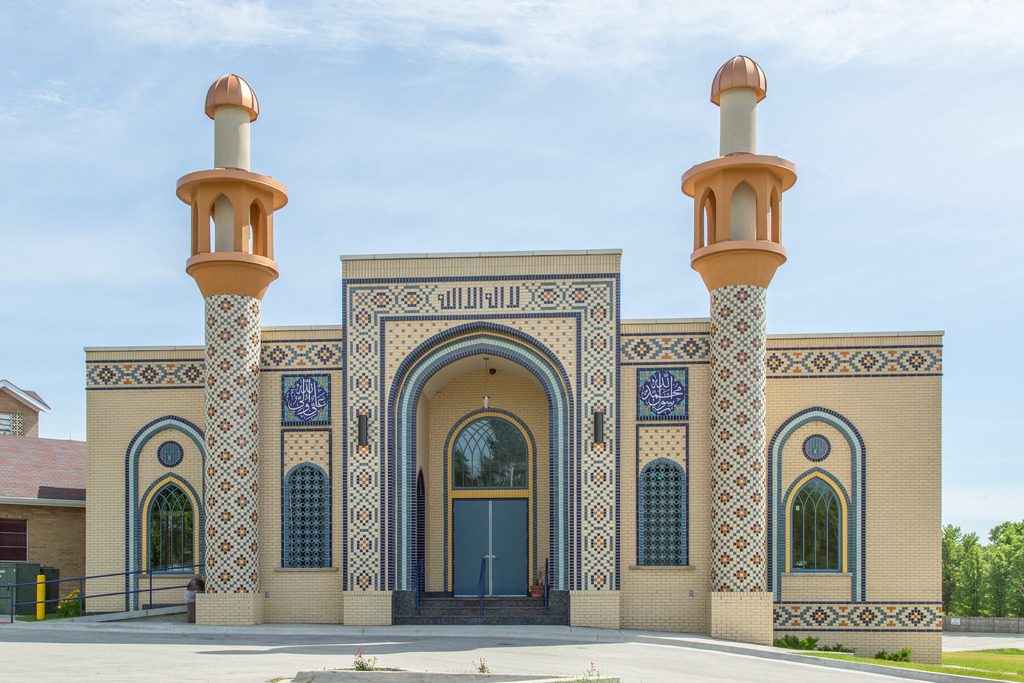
[{"x": 40, "y": 597}]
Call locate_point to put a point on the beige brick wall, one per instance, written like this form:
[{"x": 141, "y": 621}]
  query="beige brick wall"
[
  {"x": 517, "y": 393},
  {"x": 56, "y": 537},
  {"x": 670, "y": 599},
  {"x": 595, "y": 609},
  {"x": 816, "y": 586},
  {"x": 899, "y": 420},
  {"x": 299, "y": 595},
  {"x": 113, "y": 419},
  {"x": 745, "y": 617},
  {"x": 30, "y": 417},
  {"x": 229, "y": 609},
  {"x": 367, "y": 608}
]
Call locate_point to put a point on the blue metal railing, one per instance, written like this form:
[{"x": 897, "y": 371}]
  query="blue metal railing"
[
  {"x": 12, "y": 593},
  {"x": 418, "y": 590},
  {"x": 480, "y": 583},
  {"x": 547, "y": 587}
]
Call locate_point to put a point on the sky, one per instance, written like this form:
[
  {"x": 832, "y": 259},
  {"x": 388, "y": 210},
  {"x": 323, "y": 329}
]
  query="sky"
[{"x": 468, "y": 125}]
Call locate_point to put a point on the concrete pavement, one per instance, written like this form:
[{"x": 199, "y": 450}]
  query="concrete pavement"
[{"x": 151, "y": 652}]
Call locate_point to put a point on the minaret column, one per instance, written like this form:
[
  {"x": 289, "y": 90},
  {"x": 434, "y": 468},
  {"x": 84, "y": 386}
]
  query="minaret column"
[
  {"x": 232, "y": 263},
  {"x": 737, "y": 249}
]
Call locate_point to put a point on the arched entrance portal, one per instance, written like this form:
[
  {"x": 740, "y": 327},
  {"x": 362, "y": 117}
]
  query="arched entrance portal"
[{"x": 436, "y": 396}]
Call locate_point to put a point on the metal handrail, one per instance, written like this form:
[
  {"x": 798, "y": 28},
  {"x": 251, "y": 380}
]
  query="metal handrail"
[
  {"x": 418, "y": 591},
  {"x": 547, "y": 587},
  {"x": 82, "y": 597},
  {"x": 480, "y": 583}
]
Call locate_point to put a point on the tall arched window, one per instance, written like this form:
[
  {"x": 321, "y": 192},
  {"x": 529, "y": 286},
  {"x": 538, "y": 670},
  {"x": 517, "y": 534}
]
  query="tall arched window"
[
  {"x": 307, "y": 509},
  {"x": 171, "y": 530},
  {"x": 662, "y": 537},
  {"x": 490, "y": 452},
  {"x": 815, "y": 528}
]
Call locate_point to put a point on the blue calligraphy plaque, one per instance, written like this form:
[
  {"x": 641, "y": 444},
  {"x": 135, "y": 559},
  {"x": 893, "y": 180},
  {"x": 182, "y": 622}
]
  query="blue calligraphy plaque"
[
  {"x": 306, "y": 399},
  {"x": 661, "y": 394}
]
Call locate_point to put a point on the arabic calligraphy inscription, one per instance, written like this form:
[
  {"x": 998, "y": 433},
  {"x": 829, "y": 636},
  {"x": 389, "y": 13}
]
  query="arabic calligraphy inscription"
[
  {"x": 661, "y": 394},
  {"x": 306, "y": 399}
]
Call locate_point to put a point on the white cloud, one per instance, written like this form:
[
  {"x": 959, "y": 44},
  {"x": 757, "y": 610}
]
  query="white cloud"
[{"x": 584, "y": 34}]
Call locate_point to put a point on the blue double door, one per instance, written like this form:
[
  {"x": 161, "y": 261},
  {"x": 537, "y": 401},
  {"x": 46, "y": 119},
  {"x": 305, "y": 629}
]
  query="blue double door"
[{"x": 492, "y": 533}]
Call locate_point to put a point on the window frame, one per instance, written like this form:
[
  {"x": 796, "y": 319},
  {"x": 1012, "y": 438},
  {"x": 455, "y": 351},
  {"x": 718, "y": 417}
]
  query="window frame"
[
  {"x": 642, "y": 526},
  {"x": 3, "y": 532},
  {"x": 839, "y": 497},
  {"x": 147, "y": 526},
  {"x": 288, "y": 505}
]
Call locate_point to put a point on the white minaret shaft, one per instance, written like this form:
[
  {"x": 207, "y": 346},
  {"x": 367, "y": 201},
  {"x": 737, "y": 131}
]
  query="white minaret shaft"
[{"x": 738, "y": 122}]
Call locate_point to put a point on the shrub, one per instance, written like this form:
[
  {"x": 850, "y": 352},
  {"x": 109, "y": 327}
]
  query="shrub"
[
  {"x": 482, "y": 667},
  {"x": 835, "y": 648},
  {"x": 70, "y": 605},
  {"x": 791, "y": 642},
  {"x": 901, "y": 656}
]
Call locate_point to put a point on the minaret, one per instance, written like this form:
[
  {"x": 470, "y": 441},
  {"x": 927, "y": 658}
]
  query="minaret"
[
  {"x": 736, "y": 249},
  {"x": 233, "y": 271}
]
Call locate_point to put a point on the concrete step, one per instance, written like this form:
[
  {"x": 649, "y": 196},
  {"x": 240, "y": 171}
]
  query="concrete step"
[{"x": 486, "y": 620}]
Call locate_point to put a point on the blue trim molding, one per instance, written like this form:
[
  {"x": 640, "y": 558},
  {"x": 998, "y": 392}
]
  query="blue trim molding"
[
  {"x": 418, "y": 367},
  {"x": 857, "y": 500},
  {"x": 132, "y": 522}
]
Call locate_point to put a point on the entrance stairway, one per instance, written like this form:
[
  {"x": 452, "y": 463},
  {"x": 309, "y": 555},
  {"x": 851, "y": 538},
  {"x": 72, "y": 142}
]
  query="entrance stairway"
[{"x": 441, "y": 609}]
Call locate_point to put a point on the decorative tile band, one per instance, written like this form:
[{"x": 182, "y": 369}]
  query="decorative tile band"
[
  {"x": 232, "y": 442},
  {"x": 878, "y": 361},
  {"x": 372, "y": 560},
  {"x": 858, "y": 616},
  {"x": 692, "y": 348},
  {"x": 846, "y": 361},
  {"x": 148, "y": 374},
  {"x": 738, "y": 507},
  {"x": 301, "y": 354}
]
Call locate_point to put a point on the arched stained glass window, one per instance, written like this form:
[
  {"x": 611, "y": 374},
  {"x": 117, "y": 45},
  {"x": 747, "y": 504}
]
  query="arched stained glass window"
[
  {"x": 662, "y": 536},
  {"x": 815, "y": 528},
  {"x": 171, "y": 530},
  {"x": 490, "y": 452},
  {"x": 307, "y": 509}
]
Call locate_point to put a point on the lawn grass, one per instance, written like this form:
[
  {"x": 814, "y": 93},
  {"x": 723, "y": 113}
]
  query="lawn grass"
[{"x": 1006, "y": 664}]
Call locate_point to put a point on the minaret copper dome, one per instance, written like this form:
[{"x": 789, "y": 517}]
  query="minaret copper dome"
[
  {"x": 739, "y": 72},
  {"x": 233, "y": 91}
]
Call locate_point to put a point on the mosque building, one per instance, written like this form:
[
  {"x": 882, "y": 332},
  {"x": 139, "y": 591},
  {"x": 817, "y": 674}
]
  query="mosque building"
[{"x": 487, "y": 425}]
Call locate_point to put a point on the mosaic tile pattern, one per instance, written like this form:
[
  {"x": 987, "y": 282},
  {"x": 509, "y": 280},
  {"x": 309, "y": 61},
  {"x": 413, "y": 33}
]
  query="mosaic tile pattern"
[
  {"x": 145, "y": 374},
  {"x": 369, "y": 304},
  {"x": 738, "y": 467},
  {"x": 661, "y": 514},
  {"x": 300, "y": 445},
  {"x": 662, "y": 394},
  {"x": 846, "y": 361},
  {"x": 674, "y": 348},
  {"x": 317, "y": 354},
  {"x": 306, "y": 399},
  {"x": 306, "y": 509},
  {"x": 858, "y": 616},
  {"x": 232, "y": 439},
  {"x": 662, "y": 441},
  {"x": 17, "y": 424},
  {"x": 855, "y": 361}
]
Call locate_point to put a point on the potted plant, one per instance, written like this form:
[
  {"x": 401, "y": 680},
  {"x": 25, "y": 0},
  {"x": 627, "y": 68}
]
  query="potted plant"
[{"x": 537, "y": 589}]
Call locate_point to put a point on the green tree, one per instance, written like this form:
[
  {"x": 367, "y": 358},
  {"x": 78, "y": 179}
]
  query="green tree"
[
  {"x": 972, "y": 587},
  {"x": 952, "y": 557},
  {"x": 1006, "y": 570}
]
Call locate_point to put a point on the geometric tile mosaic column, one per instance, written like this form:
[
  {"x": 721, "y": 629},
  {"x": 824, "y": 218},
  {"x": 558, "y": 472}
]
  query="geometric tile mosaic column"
[
  {"x": 231, "y": 478},
  {"x": 738, "y": 458}
]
